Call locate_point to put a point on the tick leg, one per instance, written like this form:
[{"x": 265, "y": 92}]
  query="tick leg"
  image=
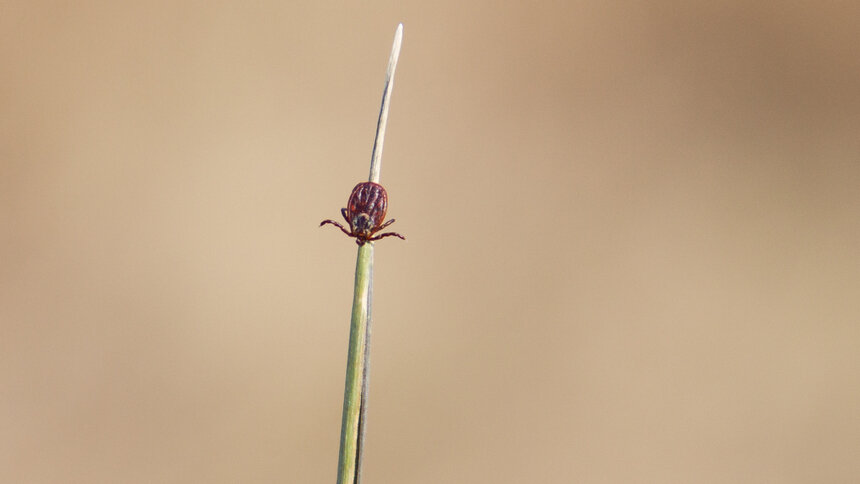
[
  {"x": 386, "y": 224},
  {"x": 387, "y": 234},
  {"x": 336, "y": 225}
]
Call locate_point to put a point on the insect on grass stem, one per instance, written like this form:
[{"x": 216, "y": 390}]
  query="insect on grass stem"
[{"x": 358, "y": 359}]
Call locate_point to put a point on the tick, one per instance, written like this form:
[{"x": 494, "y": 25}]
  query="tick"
[{"x": 364, "y": 214}]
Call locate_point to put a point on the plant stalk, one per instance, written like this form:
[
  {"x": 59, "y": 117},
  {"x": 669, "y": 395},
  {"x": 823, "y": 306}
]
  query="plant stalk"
[
  {"x": 358, "y": 360},
  {"x": 355, "y": 392}
]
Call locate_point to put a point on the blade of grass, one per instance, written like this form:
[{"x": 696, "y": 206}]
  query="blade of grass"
[
  {"x": 356, "y": 370},
  {"x": 358, "y": 358},
  {"x": 376, "y": 157}
]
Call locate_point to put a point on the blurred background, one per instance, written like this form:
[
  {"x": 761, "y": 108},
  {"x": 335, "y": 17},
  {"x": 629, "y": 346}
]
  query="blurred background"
[{"x": 632, "y": 258}]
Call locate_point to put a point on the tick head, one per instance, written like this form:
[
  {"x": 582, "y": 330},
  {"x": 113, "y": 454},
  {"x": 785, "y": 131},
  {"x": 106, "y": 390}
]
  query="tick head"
[{"x": 362, "y": 224}]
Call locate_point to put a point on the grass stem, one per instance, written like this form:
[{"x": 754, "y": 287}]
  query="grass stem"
[{"x": 358, "y": 358}]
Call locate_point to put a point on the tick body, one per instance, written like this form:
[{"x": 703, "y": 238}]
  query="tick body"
[{"x": 364, "y": 214}]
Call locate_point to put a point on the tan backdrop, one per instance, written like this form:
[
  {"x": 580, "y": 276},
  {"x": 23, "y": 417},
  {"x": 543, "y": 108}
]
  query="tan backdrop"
[{"x": 632, "y": 257}]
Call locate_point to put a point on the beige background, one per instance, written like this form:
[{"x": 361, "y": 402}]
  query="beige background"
[{"x": 632, "y": 257}]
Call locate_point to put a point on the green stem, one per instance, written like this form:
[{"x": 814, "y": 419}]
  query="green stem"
[
  {"x": 356, "y": 369},
  {"x": 358, "y": 360}
]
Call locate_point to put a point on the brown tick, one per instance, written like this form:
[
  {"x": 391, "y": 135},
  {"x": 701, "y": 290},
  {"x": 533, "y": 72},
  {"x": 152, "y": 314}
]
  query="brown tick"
[{"x": 364, "y": 213}]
